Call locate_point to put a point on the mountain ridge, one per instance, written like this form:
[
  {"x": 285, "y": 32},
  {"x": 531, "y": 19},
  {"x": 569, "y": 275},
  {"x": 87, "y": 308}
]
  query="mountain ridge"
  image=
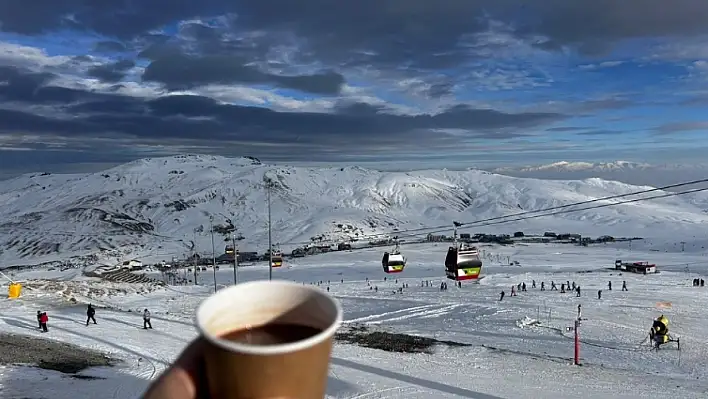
[{"x": 161, "y": 207}]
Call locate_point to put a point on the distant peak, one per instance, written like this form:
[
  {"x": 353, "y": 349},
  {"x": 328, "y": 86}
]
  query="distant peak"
[{"x": 577, "y": 166}]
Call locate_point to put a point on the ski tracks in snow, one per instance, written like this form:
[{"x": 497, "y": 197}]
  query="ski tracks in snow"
[
  {"x": 416, "y": 312},
  {"x": 393, "y": 392}
]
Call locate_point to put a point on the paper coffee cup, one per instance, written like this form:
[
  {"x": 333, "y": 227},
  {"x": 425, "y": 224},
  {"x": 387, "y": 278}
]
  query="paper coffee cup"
[{"x": 295, "y": 370}]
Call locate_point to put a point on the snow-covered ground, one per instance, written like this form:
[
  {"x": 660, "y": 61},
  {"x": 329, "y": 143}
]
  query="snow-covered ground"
[{"x": 510, "y": 356}]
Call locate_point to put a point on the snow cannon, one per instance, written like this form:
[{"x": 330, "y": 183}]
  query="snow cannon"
[{"x": 659, "y": 333}]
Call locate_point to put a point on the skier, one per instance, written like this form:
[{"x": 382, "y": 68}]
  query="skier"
[
  {"x": 90, "y": 314},
  {"x": 513, "y": 291},
  {"x": 543, "y": 286},
  {"x": 39, "y": 318},
  {"x": 553, "y": 286},
  {"x": 579, "y": 312},
  {"x": 624, "y": 286},
  {"x": 562, "y": 288},
  {"x": 599, "y": 294},
  {"x": 523, "y": 287},
  {"x": 533, "y": 283},
  {"x": 146, "y": 319},
  {"x": 609, "y": 286},
  {"x": 501, "y": 297},
  {"x": 577, "y": 290},
  {"x": 43, "y": 319}
]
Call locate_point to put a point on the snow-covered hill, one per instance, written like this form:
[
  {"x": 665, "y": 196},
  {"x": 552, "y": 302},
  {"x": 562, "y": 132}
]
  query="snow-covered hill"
[
  {"x": 637, "y": 173},
  {"x": 160, "y": 206}
]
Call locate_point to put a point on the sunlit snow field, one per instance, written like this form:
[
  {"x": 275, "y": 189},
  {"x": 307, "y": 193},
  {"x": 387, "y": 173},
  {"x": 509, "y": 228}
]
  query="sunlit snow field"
[{"x": 509, "y": 358}]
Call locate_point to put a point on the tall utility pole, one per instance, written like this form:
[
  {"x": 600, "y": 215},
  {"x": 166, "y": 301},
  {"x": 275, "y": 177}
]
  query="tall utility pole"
[
  {"x": 270, "y": 236},
  {"x": 213, "y": 250},
  {"x": 235, "y": 261},
  {"x": 194, "y": 255},
  {"x": 683, "y": 245}
]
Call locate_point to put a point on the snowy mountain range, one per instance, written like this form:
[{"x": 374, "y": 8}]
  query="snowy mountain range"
[
  {"x": 636, "y": 173},
  {"x": 161, "y": 207}
]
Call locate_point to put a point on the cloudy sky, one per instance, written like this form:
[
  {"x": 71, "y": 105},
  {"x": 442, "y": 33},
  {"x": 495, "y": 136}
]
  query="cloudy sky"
[{"x": 394, "y": 83}]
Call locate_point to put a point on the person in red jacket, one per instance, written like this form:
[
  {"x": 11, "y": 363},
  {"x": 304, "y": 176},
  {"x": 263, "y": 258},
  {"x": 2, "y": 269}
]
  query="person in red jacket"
[{"x": 43, "y": 319}]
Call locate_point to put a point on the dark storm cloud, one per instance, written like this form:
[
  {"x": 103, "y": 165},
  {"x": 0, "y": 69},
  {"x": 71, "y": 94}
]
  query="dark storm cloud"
[
  {"x": 87, "y": 114},
  {"x": 390, "y": 31},
  {"x": 112, "y": 72},
  {"x": 179, "y": 71},
  {"x": 33, "y": 88}
]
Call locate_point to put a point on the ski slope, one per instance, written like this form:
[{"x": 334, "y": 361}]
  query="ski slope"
[
  {"x": 158, "y": 208},
  {"x": 510, "y": 357}
]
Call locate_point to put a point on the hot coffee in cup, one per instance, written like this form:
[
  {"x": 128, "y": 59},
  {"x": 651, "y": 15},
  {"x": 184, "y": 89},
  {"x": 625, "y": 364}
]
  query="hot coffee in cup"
[{"x": 268, "y": 339}]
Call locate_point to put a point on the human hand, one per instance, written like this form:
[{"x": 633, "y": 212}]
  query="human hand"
[{"x": 185, "y": 378}]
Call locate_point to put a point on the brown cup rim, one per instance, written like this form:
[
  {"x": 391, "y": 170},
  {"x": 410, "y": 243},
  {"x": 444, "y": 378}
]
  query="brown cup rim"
[{"x": 269, "y": 349}]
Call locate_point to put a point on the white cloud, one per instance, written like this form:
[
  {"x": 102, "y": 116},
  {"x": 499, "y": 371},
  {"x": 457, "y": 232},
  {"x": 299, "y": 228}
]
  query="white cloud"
[
  {"x": 601, "y": 65},
  {"x": 680, "y": 50},
  {"x": 29, "y": 57}
]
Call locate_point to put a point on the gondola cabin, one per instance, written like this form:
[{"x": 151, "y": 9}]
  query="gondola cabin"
[
  {"x": 277, "y": 259},
  {"x": 393, "y": 262},
  {"x": 463, "y": 263},
  {"x": 229, "y": 250}
]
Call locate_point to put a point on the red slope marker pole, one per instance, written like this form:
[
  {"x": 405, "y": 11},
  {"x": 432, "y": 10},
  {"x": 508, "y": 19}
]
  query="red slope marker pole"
[{"x": 577, "y": 343}]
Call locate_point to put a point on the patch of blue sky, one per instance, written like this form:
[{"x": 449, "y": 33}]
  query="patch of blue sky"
[
  {"x": 291, "y": 93},
  {"x": 64, "y": 43},
  {"x": 170, "y": 29}
]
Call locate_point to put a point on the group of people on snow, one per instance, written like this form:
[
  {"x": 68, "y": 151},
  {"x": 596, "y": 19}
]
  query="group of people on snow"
[
  {"x": 42, "y": 318},
  {"x": 565, "y": 287}
]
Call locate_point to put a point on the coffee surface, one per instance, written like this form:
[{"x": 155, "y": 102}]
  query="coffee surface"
[{"x": 272, "y": 334}]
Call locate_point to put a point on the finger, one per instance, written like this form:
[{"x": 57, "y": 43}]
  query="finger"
[
  {"x": 184, "y": 379},
  {"x": 192, "y": 362}
]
